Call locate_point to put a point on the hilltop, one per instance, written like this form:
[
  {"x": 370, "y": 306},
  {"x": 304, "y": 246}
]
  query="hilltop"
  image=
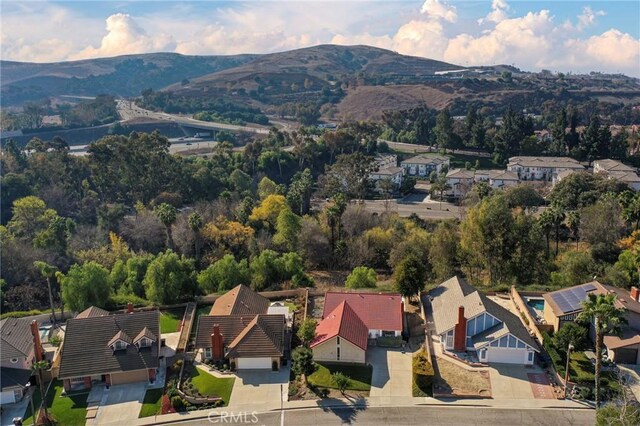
[{"x": 339, "y": 82}]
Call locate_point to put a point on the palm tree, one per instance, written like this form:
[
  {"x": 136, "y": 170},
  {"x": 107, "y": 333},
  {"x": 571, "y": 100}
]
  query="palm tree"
[
  {"x": 557, "y": 218},
  {"x": 440, "y": 186},
  {"x": 546, "y": 224},
  {"x": 607, "y": 318},
  {"x": 167, "y": 215},
  {"x": 573, "y": 222},
  {"x": 195, "y": 224},
  {"x": 47, "y": 271},
  {"x": 37, "y": 368}
]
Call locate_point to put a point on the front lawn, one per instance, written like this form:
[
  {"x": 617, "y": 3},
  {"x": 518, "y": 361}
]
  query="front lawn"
[
  {"x": 360, "y": 376},
  {"x": 67, "y": 410},
  {"x": 208, "y": 385},
  {"x": 170, "y": 320},
  {"x": 152, "y": 403}
]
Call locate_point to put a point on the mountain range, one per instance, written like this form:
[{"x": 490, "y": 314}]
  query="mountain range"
[{"x": 354, "y": 81}]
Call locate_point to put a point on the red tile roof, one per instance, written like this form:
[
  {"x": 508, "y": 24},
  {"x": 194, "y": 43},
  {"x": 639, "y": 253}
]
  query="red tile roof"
[
  {"x": 378, "y": 311},
  {"x": 343, "y": 322}
]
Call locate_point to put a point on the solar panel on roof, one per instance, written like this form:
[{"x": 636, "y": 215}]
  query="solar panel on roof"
[{"x": 570, "y": 299}]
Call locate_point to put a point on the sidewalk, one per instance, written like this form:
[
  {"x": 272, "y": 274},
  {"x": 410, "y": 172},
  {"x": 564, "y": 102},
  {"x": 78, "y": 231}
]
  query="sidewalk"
[{"x": 528, "y": 404}]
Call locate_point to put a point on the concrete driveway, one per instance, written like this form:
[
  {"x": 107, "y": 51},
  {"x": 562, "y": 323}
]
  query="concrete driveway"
[
  {"x": 391, "y": 373},
  {"x": 262, "y": 389},
  {"x": 120, "y": 404},
  {"x": 510, "y": 381}
]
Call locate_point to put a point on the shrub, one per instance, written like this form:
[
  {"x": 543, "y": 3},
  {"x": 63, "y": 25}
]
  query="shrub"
[
  {"x": 361, "y": 277},
  {"x": 178, "y": 403}
]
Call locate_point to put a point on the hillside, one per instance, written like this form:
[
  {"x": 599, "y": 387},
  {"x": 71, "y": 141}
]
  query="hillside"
[
  {"x": 342, "y": 82},
  {"x": 120, "y": 76}
]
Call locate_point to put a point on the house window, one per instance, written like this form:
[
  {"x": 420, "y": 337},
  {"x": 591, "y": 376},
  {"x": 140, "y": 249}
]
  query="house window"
[
  {"x": 207, "y": 353},
  {"x": 144, "y": 343},
  {"x": 530, "y": 357},
  {"x": 337, "y": 340},
  {"x": 120, "y": 345},
  {"x": 338, "y": 353},
  {"x": 388, "y": 333}
]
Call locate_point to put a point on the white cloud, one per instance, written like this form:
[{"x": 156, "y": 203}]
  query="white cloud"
[
  {"x": 588, "y": 17},
  {"x": 498, "y": 12},
  {"x": 431, "y": 28},
  {"x": 125, "y": 36},
  {"x": 435, "y": 9}
]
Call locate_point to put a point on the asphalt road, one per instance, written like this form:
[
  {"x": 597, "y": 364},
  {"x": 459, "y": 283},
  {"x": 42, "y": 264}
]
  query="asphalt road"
[
  {"x": 406, "y": 207},
  {"x": 129, "y": 110},
  {"x": 426, "y": 415}
]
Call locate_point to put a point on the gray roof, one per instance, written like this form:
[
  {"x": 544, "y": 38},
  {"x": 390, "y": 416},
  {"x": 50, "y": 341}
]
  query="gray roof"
[
  {"x": 447, "y": 297},
  {"x": 92, "y": 311},
  {"x": 460, "y": 174},
  {"x": 390, "y": 171},
  {"x": 547, "y": 162},
  {"x": 456, "y": 292},
  {"x": 12, "y": 377},
  {"x": 426, "y": 159},
  {"x": 240, "y": 300},
  {"x": 630, "y": 177},
  {"x": 16, "y": 338},
  {"x": 244, "y": 335},
  {"x": 86, "y": 348},
  {"x": 503, "y": 175},
  {"x": 614, "y": 165}
]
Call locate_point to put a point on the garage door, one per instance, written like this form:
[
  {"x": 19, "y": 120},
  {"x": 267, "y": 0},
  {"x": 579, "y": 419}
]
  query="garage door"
[
  {"x": 253, "y": 363},
  {"x": 129, "y": 377},
  {"x": 626, "y": 356},
  {"x": 7, "y": 397},
  {"x": 507, "y": 355}
]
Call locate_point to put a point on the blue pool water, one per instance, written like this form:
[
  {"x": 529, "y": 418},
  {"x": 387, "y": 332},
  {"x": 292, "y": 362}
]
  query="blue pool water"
[{"x": 537, "y": 304}]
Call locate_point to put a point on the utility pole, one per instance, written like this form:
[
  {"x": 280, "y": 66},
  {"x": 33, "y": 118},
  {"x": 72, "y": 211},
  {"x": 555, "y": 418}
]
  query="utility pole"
[{"x": 566, "y": 372}]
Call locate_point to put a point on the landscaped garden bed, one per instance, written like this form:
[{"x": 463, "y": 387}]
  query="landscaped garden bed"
[
  {"x": 321, "y": 384},
  {"x": 422, "y": 375}
]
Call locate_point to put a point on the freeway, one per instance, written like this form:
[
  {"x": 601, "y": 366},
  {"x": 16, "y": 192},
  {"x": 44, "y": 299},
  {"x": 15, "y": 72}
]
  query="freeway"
[
  {"x": 129, "y": 110},
  {"x": 415, "y": 415}
]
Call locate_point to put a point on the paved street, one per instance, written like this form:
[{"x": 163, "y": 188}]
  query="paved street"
[{"x": 432, "y": 415}]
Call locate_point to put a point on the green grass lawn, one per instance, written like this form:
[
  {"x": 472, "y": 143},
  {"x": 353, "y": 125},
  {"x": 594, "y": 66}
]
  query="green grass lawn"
[
  {"x": 360, "y": 375},
  {"x": 152, "y": 403},
  {"x": 68, "y": 410},
  {"x": 458, "y": 161},
  {"x": 210, "y": 385},
  {"x": 170, "y": 320}
]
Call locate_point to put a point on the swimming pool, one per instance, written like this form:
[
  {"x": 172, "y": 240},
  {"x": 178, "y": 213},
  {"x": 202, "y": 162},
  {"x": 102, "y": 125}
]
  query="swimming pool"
[{"x": 537, "y": 304}]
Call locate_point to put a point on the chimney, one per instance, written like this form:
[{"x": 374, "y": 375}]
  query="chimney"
[
  {"x": 129, "y": 308},
  {"x": 634, "y": 293},
  {"x": 217, "y": 343},
  {"x": 460, "y": 332},
  {"x": 37, "y": 345}
]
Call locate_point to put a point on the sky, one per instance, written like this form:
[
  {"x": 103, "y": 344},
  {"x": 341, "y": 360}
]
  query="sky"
[{"x": 559, "y": 35}]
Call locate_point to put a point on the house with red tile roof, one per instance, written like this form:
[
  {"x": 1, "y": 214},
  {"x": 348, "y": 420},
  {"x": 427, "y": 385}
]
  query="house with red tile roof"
[
  {"x": 380, "y": 312},
  {"x": 341, "y": 337}
]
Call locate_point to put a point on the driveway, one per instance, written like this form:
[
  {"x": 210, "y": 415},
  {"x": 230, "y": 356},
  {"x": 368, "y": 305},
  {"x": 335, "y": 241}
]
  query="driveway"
[
  {"x": 120, "y": 404},
  {"x": 391, "y": 372},
  {"x": 262, "y": 389},
  {"x": 510, "y": 381}
]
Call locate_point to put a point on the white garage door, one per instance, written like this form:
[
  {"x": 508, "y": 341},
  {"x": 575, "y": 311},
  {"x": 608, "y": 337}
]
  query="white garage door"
[
  {"x": 253, "y": 363},
  {"x": 7, "y": 397},
  {"x": 507, "y": 355}
]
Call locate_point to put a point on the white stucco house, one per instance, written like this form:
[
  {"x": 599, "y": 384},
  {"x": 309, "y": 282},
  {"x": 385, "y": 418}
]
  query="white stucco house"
[{"x": 541, "y": 168}]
